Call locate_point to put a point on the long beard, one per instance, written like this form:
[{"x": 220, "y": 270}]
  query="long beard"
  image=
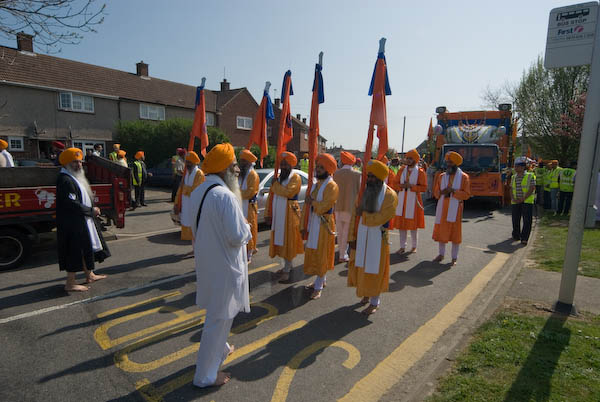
[
  {"x": 370, "y": 197},
  {"x": 284, "y": 174},
  {"x": 323, "y": 176},
  {"x": 80, "y": 176},
  {"x": 231, "y": 180}
]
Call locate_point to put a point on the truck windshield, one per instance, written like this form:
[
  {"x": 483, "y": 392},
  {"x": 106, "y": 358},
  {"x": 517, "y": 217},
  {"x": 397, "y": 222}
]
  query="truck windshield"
[{"x": 476, "y": 158}]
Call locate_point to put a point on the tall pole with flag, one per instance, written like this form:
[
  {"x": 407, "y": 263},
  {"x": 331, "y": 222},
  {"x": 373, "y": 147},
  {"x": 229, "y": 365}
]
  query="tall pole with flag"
[
  {"x": 199, "y": 125},
  {"x": 258, "y": 135},
  {"x": 286, "y": 132}
]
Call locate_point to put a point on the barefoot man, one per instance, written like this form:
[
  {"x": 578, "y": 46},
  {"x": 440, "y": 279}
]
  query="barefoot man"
[
  {"x": 410, "y": 181},
  {"x": 221, "y": 235},
  {"x": 320, "y": 246},
  {"x": 348, "y": 181},
  {"x": 369, "y": 267},
  {"x": 283, "y": 214},
  {"x": 80, "y": 243},
  {"x": 451, "y": 189},
  {"x": 249, "y": 182},
  {"x": 192, "y": 179}
]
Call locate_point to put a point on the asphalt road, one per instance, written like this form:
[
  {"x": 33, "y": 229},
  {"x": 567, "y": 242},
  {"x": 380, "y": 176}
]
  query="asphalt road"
[{"x": 134, "y": 336}]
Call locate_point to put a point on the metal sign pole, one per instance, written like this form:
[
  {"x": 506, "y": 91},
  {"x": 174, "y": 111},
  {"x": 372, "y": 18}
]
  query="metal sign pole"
[
  {"x": 590, "y": 219},
  {"x": 587, "y": 146}
]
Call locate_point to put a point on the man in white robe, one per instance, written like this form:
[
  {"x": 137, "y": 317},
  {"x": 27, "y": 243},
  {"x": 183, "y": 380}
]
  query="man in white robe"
[
  {"x": 6, "y": 159},
  {"x": 221, "y": 234}
]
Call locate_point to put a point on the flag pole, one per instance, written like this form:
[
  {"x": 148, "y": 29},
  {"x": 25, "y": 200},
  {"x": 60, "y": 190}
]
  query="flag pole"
[{"x": 403, "y": 131}]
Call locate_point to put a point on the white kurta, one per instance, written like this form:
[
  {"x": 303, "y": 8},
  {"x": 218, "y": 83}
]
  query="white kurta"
[
  {"x": 368, "y": 242},
  {"x": 279, "y": 215},
  {"x": 220, "y": 250},
  {"x": 188, "y": 180},
  {"x": 7, "y": 159}
]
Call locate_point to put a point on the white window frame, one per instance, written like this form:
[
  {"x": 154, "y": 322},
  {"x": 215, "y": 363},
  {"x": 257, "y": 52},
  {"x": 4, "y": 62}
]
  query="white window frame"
[
  {"x": 86, "y": 145},
  {"x": 20, "y": 148},
  {"x": 76, "y": 102},
  {"x": 243, "y": 122},
  {"x": 211, "y": 119},
  {"x": 152, "y": 112}
]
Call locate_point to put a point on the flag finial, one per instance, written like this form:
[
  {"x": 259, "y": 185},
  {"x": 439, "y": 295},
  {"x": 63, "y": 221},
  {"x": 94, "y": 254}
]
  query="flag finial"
[
  {"x": 321, "y": 59},
  {"x": 203, "y": 82},
  {"x": 267, "y": 86},
  {"x": 382, "y": 45}
]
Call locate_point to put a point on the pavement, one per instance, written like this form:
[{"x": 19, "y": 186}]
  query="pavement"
[{"x": 134, "y": 336}]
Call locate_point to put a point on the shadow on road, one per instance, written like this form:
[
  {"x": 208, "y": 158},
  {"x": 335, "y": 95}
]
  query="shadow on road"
[
  {"x": 418, "y": 276},
  {"x": 507, "y": 246}
]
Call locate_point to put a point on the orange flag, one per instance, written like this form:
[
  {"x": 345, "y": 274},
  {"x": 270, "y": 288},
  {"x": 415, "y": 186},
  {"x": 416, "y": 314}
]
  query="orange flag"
[
  {"x": 199, "y": 125},
  {"x": 430, "y": 131},
  {"x": 258, "y": 135},
  {"x": 285, "y": 121}
]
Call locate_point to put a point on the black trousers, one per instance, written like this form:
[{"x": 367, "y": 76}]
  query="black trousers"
[
  {"x": 524, "y": 211},
  {"x": 176, "y": 183},
  {"x": 139, "y": 195},
  {"x": 564, "y": 202},
  {"x": 547, "y": 200},
  {"x": 539, "y": 190}
]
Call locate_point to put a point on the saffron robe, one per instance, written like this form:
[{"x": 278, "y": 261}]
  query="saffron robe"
[
  {"x": 445, "y": 231},
  {"x": 292, "y": 244},
  {"x": 418, "y": 220},
  {"x": 189, "y": 183},
  {"x": 249, "y": 186}
]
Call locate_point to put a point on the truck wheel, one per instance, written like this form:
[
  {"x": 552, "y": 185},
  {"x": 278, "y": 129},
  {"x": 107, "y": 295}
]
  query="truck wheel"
[{"x": 14, "y": 247}]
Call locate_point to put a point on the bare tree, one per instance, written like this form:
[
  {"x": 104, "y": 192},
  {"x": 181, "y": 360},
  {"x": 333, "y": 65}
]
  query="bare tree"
[
  {"x": 51, "y": 22},
  {"x": 492, "y": 97}
]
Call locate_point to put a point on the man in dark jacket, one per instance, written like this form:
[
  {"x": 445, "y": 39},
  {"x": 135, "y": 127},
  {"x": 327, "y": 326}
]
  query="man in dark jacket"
[{"x": 80, "y": 242}]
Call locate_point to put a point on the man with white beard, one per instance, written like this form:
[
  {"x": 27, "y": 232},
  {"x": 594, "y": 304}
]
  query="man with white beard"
[
  {"x": 80, "y": 243},
  {"x": 221, "y": 234}
]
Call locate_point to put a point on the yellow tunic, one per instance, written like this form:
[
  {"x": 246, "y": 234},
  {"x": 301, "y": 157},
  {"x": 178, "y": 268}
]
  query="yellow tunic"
[
  {"x": 183, "y": 194},
  {"x": 252, "y": 183},
  {"x": 370, "y": 285},
  {"x": 292, "y": 244},
  {"x": 319, "y": 261}
]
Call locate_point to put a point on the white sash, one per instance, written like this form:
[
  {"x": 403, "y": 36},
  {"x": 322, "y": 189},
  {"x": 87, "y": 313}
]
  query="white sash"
[
  {"x": 9, "y": 159},
  {"x": 279, "y": 214},
  {"x": 368, "y": 242},
  {"x": 186, "y": 216},
  {"x": 411, "y": 198},
  {"x": 87, "y": 201},
  {"x": 453, "y": 207},
  {"x": 314, "y": 220},
  {"x": 244, "y": 187}
]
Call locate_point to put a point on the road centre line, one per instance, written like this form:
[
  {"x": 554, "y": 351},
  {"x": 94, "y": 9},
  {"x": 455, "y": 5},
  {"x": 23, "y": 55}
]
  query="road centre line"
[
  {"x": 390, "y": 371},
  {"x": 113, "y": 294}
]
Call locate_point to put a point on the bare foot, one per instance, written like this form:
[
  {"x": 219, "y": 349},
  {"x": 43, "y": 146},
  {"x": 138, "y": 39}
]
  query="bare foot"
[
  {"x": 77, "y": 288},
  {"x": 231, "y": 350},
  {"x": 92, "y": 277},
  {"x": 315, "y": 295},
  {"x": 453, "y": 263},
  {"x": 370, "y": 310},
  {"x": 312, "y": 286},
  {"x": 414, "y": 250},
  {"x": 364, "y": 301},
  {"x": 401, "y": 251},
  {"x": 222, "y": 378},
  {"x": 439, "y": 258}
]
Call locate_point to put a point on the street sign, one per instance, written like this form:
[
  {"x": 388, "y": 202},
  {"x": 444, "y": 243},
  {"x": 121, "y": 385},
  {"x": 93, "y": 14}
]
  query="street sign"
[{"x": 571, "y": 32}]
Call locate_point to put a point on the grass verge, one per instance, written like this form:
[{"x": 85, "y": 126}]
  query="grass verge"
[{"x": 526, "y": 354}]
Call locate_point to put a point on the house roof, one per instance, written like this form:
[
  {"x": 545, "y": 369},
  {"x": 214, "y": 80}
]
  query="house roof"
[{"x": 54, "y": 72}]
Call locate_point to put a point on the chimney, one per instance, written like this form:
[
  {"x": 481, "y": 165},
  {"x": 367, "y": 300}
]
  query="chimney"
[
  {"x": 277, "y": 103},
  {"x": 142, "y": 69},
  {"x": 24, "y": 42},
  {"x": 298, "y": 116},
  {"x": 224, "y": 85},
  {"x": 304, "y": 120}
]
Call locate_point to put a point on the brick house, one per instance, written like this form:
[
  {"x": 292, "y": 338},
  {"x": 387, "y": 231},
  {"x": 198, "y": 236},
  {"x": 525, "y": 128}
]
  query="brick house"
[{"x": 45, "y": 98}]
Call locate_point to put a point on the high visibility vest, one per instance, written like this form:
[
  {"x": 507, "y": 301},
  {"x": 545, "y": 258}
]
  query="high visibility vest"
[
  {"x": 527, "y": 177},
  {"x": 112, "y": 156},
  {"x": 567, "y": 180},
  {"x": 304, "y": 165},
  {"x": 137, "y": 178},
  {"x": 554, "y": 174},
  {"x": 540, "y": 173}
]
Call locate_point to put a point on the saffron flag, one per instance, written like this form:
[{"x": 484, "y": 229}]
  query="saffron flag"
[
  {"x": 258, "y": 135},
  {"x": 199, "y": 125},
  {"x": 285, "y": 121},
  {"x": 430, "y": 131}
]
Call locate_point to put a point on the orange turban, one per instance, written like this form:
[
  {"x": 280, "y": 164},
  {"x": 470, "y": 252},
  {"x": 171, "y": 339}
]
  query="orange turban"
[
  {"x": 3, "y": 144},
  {"x": 413, "y": 154},
  {"x": 328, "y": 162},
  {"x": 248, "y": 156},
  {"x": 305, "y": 156},
  {"x": 378, "y": 168},
  {"x": 218, "y": 159},
  {"x": 116, "y": 147},
  {"x": 554, "y": 162},
  {"x": 139, "y": 155},
  {"x": 69, "y": 155},
  {"x": 385, "y": 160},
  {"x": 454, "y": 157},
  {"x": 289, "y": 158},
  {"x": 121, "y": 153},
  {"x": 192, "y": 157},
  {"x": 348, "y": 158}
]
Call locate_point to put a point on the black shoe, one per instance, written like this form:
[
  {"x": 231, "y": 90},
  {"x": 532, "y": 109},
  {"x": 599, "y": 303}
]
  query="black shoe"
[{"x": 144, "y": 205}]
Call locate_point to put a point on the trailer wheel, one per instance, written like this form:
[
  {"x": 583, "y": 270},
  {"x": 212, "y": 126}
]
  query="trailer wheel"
[{"x": 14, "y": 247}]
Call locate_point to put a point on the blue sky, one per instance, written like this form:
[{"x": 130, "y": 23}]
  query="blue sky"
[{"x": 438, "y": 52}]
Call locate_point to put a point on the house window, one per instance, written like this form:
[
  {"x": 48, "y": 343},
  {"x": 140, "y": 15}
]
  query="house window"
[
  {"x": 88, "y": 146},
  {"x": 76, "y": 103},
  {"x": 16, "y": 144},
  {"x": 210, "y": 119},
  {"x": 152, "y": 112},
  {"x": 244, "y": 123}
]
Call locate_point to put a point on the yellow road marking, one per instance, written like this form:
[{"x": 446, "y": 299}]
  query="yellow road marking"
[
  {"x": 264, "y": 267},
  {"x": 130, "y": 306},
  {"x": 155, "y": 394},
  {"x": 390, "y": 370},
  {"x": 285, "y": 379}
]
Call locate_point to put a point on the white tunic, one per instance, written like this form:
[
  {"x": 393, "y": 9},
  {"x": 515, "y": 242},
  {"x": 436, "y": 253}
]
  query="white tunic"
[
  {"x": 220, "y": 250},
  {"x": 188, "y": 180},
  {"x": 6, "y": 159}
]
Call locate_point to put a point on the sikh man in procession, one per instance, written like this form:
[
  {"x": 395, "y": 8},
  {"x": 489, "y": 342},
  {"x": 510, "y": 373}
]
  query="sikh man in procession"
[
  {"x": 348, "y": 181},
  {"x": 319, "y": 254},
  {"x": 410, "y": 214},
  {"x": 283, "y": 214},
  {"x": 451, "y": 189},
  {"x": 221, "y": 235},
  {"x": 249, "y": 182},
  {"x": 80, "y": 242},
  {"x": 114, "y": 155},
  {"x": 121, "y": 160},
  {"x": 6, "y": 159},
  {"x": 194, "y": 177},
  {"x": 369, "y": 267}
]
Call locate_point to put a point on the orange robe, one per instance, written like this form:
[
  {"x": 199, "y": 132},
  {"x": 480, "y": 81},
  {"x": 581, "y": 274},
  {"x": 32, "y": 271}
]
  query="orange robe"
[
  {"x": 445, "y": 232},
  {"x": 320, "y": 260},
  {"x": 252, "y": 184},
  {"x": 183, "y": 194},
  {"x": 418, "y": 221},
  {"x": 370, "y": 285},
  {"x": 292, "y": 244}
]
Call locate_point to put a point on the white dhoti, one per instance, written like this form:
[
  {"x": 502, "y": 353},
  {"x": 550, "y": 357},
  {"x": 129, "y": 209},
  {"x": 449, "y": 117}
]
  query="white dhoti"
[{"x": 213, "y": 351}]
